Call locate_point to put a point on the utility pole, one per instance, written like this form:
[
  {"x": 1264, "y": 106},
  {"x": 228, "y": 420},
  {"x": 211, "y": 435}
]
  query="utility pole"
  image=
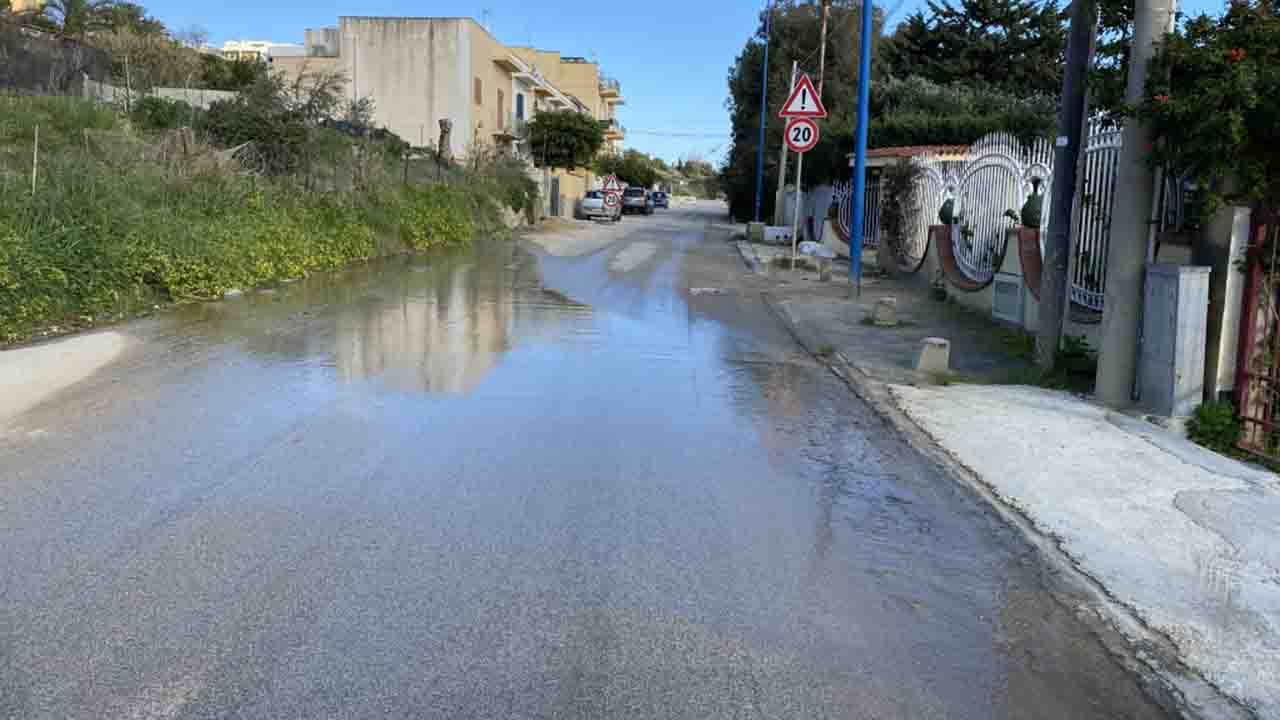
[
  {"x": 822, "y": 51},
  {"x": 779, "y": 203},
  {"x": 1131, "y": 220},
  {"x": 764, "y": 108},
  {"x": 860, "y": 149},
  {"x": 1053, "y": 284}
]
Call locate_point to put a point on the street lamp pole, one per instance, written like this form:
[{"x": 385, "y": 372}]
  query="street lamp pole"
[{"x": 860, "y": 149}]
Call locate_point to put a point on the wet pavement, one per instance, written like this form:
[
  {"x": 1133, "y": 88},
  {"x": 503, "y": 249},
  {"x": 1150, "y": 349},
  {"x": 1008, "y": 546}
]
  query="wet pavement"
[{"x": 509, "y": 484}]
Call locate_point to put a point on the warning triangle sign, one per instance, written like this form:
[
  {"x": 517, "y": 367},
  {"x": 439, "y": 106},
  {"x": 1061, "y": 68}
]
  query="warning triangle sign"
[
  {"x": 804, "y": 101},
  {"x": 611, "y": 184}
]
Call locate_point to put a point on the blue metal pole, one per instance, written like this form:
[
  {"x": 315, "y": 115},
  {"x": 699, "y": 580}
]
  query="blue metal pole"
[
  {"x": 860, "y": 150},
  {"x": 764, "y": 106}
]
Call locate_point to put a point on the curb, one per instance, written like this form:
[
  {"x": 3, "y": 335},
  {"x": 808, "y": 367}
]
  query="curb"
[{"x": 1148, "y": 654}]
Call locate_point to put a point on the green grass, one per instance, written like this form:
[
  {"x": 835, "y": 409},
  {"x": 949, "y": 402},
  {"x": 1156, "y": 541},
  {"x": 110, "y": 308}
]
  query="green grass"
[{"x": 103, "y": 238}]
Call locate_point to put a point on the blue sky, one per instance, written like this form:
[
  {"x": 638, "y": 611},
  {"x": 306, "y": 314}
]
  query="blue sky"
[{"x": 671, "y": 56}]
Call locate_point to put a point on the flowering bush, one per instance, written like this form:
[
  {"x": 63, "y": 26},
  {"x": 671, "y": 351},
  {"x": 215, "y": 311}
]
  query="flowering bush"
[{"x": 1213, "y": 104}]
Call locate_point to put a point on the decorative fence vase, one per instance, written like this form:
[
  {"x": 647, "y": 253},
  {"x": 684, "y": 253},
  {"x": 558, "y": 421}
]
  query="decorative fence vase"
[{"x": 1029, "y": 255}]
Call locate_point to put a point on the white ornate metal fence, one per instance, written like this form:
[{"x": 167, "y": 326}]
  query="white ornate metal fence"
[
  {"x": 1093, "y": 212},
  {"x": 995, "y": 177},
  {"x": 842, "y": 198}
]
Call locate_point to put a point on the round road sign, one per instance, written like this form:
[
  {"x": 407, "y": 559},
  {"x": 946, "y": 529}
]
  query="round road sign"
[
  {"x": 611, "y": 199},
  {"x": 801, "y": 134}
]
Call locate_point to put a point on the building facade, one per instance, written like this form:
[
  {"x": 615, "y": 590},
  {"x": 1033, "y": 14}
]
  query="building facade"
[
  {"x": 262, "y": 50},
  {"x": 419, "y": 71}
]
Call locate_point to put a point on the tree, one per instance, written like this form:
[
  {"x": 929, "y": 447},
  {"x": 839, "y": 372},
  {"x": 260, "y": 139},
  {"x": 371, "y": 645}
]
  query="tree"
[
  {"x": 132, "y": 17},
  {"x": 1015, "y": 45},
  {"x": 1210, "y": 104},
  {"x": 796, "y": 29},
  {"x": 76, "y": 19},
  {"x": 632, "y": 167},
  {"x": 218, "y": 73},
  {"x": 565, "y": 139}
]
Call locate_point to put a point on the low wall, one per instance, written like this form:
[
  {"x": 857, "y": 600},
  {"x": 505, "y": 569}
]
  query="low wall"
[{"x": 195, "y": 97}]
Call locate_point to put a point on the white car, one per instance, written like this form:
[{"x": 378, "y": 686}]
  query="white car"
[{"x": 595, "y": 206}]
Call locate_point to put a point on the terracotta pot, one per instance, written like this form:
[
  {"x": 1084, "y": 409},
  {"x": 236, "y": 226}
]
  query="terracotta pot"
[{"x": 1029, "y": 256}]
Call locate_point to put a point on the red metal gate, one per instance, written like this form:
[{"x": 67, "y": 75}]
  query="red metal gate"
[{"x": 1258, "y": 363}]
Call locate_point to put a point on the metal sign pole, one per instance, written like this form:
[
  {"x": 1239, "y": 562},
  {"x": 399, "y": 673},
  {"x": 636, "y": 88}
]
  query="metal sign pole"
[
  {"x": 860, "y": 151},
  {"x": 795, "y": 221}
]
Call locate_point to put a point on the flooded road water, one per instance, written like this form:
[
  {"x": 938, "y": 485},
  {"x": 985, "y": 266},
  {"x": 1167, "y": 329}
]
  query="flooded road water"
[{"x": 508, "y": 484}]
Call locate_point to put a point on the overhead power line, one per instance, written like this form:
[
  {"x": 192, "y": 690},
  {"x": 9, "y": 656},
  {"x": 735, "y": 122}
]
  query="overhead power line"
[{"x": 672, "y": 133}]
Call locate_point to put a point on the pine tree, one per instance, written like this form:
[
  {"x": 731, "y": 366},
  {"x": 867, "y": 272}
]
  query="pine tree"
[{"x": 1012, "y": 45}]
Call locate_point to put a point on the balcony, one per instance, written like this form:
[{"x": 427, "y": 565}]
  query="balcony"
[
  {"x": 511, "y": 128},
  {"x": 613, "y": 130},
  {"x": 611, "y": 91}
]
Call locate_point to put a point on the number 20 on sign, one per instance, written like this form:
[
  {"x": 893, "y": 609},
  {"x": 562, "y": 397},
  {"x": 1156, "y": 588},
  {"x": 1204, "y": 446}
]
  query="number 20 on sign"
[{"x": 801, "y": 134}]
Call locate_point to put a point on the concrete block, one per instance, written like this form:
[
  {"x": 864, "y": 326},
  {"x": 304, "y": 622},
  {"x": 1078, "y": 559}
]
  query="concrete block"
[
  {"x": 934, "y": 357},
  {"x": 885, "y": 313}
]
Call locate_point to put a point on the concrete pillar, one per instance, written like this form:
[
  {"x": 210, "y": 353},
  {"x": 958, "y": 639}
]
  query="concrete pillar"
[{"x": 1222, "y": 247}]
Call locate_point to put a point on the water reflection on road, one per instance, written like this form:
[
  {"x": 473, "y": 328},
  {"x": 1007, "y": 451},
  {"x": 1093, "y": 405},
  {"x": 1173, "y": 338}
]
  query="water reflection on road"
[{"x": 494, "y": 485}]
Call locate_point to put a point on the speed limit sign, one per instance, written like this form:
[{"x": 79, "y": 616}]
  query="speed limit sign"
[
  {"x": 611, "y": 199},
  {"x": 801, "y": 134}
]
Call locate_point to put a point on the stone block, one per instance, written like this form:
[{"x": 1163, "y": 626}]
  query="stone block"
[{"x": 934, "y": 357}]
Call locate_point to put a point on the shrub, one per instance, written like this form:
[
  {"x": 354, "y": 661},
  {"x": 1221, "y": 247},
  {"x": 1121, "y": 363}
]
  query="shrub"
[
  {"x": 1215, "y": 426},
  {"x": 155, "y": 113},
  {"x": 437, "y": 215}
]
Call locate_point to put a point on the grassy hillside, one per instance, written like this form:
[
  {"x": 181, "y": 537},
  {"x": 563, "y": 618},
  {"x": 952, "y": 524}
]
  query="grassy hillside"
[{"x": 121, "y": 219}]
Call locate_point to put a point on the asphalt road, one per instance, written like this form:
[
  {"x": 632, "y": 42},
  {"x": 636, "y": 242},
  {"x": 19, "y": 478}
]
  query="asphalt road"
[{"x": 584, "y": 477}]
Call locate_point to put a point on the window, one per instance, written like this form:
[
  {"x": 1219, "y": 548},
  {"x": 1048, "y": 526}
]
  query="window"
[
  {"x": 519, "y": 106},
  {"x": 479, "y": 92},
  {"x": 502, "y": 112}
]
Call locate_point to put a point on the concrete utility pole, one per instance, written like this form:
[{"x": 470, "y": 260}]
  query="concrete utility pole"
[
  {"x": 1053, "y": 284},
  {"x": 1131, "y": 220},
  {"x": 779, "y": 200}
]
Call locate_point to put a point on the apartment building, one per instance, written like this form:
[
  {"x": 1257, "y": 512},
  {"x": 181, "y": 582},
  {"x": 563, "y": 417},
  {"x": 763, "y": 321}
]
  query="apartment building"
[
  {"x": 419, "y": 71},
  {"x": 582, "y": 79},
  {"x": 261, "y": 50}
]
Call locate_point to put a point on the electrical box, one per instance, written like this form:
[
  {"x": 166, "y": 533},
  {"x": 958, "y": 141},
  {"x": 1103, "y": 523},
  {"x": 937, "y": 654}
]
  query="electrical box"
[
  {"x": 1174, "y": 327},
  {"x": 1006, "y": 298}
]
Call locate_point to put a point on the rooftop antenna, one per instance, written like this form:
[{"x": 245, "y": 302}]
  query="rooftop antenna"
[{"x": 486, "y": 19}]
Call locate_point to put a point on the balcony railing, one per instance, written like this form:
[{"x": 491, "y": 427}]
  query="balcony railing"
[
  {"x": 512, "y": 127},
  {"x": 609, "y": 85}
]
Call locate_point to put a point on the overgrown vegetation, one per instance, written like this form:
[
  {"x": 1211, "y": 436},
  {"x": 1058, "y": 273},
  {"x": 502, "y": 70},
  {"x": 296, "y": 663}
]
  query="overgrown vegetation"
[
  {"x": 899, "y": 191},
  {"x": 129, "y": 214},
  {"x": 1215, "y": 426},
  {"x": 1211, "y": 105}
]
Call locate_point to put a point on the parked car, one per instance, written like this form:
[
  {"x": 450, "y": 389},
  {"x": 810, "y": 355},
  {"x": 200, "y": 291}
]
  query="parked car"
[
  {"x": 637, "y": 200},
  {"x": 661, "y": 200},
  {"x": 593, "y": 206}
]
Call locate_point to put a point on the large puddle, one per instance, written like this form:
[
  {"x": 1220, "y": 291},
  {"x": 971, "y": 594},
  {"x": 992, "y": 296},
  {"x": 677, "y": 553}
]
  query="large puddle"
[{"x": 491, "y": 486}]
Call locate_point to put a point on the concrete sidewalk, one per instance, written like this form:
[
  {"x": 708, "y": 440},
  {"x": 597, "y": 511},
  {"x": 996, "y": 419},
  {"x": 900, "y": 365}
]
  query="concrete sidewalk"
[{"x": 1180, "y": 546}]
